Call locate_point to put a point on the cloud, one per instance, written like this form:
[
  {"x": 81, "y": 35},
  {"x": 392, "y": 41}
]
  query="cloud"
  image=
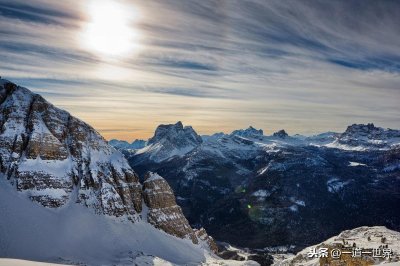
[{"x": 310, "y": 66}]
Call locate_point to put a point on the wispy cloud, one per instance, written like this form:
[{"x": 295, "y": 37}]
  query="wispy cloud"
[{"x": 307, "y": 66}]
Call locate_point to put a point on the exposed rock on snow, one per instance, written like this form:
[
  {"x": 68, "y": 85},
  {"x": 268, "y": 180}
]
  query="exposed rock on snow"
[
  {"x": 46, "y": 153},
  {"x": 361, "y": 237}
]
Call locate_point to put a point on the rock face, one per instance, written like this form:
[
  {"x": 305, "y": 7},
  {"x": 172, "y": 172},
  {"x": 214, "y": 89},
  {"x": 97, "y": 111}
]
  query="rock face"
[
  {"x": 47, "y": 153},
  {"x": 369, "y": 136},
  {"x": 56, "y": 159},
  {"x": 164, "y": 213}
]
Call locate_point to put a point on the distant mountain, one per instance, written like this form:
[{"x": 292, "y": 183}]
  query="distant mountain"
[
  {"x": 62, "y": 163},
  {"x": 280, "y": 134},
  {"x": 253, "y": 190},
  {"x": 170, "y": 141},
  {"x": 249, "y": 132},
  {"x": 367, "y": 137},
  {"x": 124, "y": 145}
]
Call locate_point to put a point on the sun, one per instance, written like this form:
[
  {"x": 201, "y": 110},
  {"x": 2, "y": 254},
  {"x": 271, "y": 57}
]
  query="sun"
[{"x": 110, "y": 30}]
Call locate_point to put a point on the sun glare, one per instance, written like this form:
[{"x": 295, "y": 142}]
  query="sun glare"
[{"x": 110, "y": 30}]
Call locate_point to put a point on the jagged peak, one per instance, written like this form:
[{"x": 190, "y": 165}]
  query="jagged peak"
[
  {"x": 174, "y": 132},
  {"x": 362, "y": 127},
  {"x": 248, "y": 132},
  {"x": 281, "y": 134}
]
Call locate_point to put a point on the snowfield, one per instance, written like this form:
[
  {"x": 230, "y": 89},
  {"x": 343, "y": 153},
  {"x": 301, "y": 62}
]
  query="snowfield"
[{"x": 74, "y": 234}]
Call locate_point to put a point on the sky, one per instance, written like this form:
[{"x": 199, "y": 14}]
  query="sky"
[{"x": 125, "y": 67}]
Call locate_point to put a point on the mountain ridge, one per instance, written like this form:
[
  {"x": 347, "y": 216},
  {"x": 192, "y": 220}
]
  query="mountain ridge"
[{"x": 57, "y": 160}]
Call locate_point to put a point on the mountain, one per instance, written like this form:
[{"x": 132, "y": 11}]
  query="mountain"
[
  {"x": 249, "y": 132},
  {"x": 367, "y": 137},
  {"x": 63, "y": 184},
  {"x": 258, "y": 191},
  {"x": 280, "y": 134},
  {"x": 124, "y": 145},
  {"x": 169, "y": 141}
]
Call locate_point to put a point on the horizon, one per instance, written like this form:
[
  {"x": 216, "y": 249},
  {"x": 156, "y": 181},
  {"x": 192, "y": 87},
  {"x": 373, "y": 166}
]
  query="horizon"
[{"x": 125, "y": 67}]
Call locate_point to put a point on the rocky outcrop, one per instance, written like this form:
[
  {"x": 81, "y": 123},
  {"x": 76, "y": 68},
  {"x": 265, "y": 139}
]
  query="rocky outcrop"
[
  {"x": 165, "y": 214},
  {"x": 207, "y": 240},
  {"x": 163, "y": 211},
  {"x": 280, "y": 134}
]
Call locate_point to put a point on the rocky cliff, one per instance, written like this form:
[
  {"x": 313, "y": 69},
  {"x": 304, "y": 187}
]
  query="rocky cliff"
[
  {"x": 56, "y": 160},
  {"x": 164, "y": 213},
  {"x": 49, "y": 154}
]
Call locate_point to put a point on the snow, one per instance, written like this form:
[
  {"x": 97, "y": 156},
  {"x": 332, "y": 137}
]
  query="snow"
[
  {"x": 57, "y": 168},
  {"x": 335, "y": 184},
  {"x": 261, "y": 193},
  {"x": 356, "y": 164},
  {"x": 337, "y": 145},
  {"x": 262, "y": 170},
  {"x": 75, "y": 234},
  {"x": 364, "y": 237},
  {"x": 153, "y": 176},
  {"x": 55, "y": 193},
  {"x": 15, "y": 262},
  {"x": 298, "y": 202}
]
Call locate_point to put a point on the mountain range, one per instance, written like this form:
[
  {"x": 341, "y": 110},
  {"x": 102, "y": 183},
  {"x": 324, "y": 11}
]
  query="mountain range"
[{"x": 259, "y": 191}]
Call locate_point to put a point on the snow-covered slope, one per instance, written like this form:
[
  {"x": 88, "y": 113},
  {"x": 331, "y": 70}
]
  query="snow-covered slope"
[
  {"x": 74, "y": 234},
  {"x": 362, "y": 237}
]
